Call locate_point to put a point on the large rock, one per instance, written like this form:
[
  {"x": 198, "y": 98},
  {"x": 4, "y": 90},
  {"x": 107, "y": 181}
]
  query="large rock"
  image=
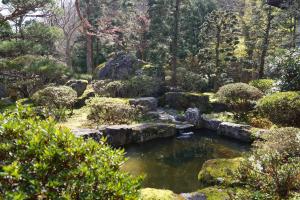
[
  {"x": 119, "y": 68},
  {"x": 193, "y": 196},
  {"x": 119, "y": 135},
  {"x": 88, "y": 133},
  {"x": 146, "y": 103},
  {"x": 78, "y": 85},
  {"x": 211, "y": 124},
  {"x": 219, "y": 172},
  {"x": 3, "y": 92},
  {"x": 150, "y": 131},
  {"x": 184, "y": 100},
  {"x": 192, "y": 115},
  {"x": 236, "y": 131}
]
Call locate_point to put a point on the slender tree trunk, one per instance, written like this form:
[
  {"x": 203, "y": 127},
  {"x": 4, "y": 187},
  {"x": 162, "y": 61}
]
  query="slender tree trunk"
[
  {"x": 217, "y": 59},
  {"x": 89, "y": 43},
  {"x": 68, "y": 54},
  {"x": 175, "y": 43},
  {"x": 265, "y": 45}
]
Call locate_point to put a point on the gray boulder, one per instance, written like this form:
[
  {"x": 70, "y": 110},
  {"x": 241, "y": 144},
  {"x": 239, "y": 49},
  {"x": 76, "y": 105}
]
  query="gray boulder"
[
  {"x": 119, "y": 135},
  {"x": 150, "y": 131},
  {"x": 146, "y": 103},
  {"x": 236, "y": 131},
  {"x": 193, "y": 196},
  {"x": 88, "y": 133},
  {"x": 119, "y": 68},
  {"x": 78, "y": 85},
  {"x": 192, "y": 115}
]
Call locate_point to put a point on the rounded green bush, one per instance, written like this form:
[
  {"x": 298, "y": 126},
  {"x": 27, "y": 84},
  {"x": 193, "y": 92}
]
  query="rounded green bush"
[
  {"x": 239, "y": 96},
  {"x": 55, "y": 96},
  {"x": 112, "y": 111},
  {"x": 41, "y": 161},
  {"x": 136, "y": 86},
  {"x": 282, "y": 108},
  {"x": 264, "y": 85}
]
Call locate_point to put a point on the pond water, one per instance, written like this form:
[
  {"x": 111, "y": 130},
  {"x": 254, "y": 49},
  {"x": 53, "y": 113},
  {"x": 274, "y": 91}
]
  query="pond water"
[{"x": 175, "y": 163}]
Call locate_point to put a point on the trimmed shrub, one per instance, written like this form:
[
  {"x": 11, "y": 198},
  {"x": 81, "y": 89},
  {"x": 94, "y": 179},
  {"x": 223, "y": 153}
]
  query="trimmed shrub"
[
  {"x": 41, "y": 161},
  {"x": 239, "y": 96},
  {"x": 282, "y": 108},
  {"x": 264, "y": 85},
  {"x": 57, "y": 97},
  {"x": 272, "y": 170},
  {"x": 112, "y": 111},
  {"x": 137, "y": 86}
]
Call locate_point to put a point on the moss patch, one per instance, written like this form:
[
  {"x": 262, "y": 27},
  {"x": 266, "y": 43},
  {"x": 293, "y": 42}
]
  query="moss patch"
[
  {"x": 219, "y": 171},
  {"x": 156, "y": 194},
  {"x": 79, "y": 119},
  {"x": 215, "y": 193}
]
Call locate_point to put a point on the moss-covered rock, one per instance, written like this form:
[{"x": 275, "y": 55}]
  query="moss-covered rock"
[
  {"x": 219, "y": 171},
  {"x": 156, "y": 194},
  {"x": 215, "y": 193}
]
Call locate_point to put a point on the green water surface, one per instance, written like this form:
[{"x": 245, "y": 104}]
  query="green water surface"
[{"x": 175, "y": 163}]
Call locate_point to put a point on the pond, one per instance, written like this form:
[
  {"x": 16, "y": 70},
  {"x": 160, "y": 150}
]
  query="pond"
[{"x": 175, "y": 163}]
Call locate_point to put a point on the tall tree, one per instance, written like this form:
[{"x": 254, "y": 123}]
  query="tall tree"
[{"x": 174, "y": 46}]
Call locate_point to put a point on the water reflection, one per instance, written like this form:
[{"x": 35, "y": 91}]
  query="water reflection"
[{"x": 174, "y": 164}]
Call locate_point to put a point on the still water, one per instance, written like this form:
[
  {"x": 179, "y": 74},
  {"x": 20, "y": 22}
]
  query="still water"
[{"x": 175, "y": 163}]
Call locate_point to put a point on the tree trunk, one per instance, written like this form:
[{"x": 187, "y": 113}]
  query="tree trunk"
[
  {"x": 175, "y": 43},
  {"x": 89, "y": 43},
  {"x": 265, "y": 45},
  {"x": 217, "y": 59},
  {"x": 89, "y": 53},
  {"x": 68, "y": 54}
]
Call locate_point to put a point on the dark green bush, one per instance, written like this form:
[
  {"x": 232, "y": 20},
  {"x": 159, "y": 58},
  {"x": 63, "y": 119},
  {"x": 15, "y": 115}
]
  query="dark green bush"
[
  {"x": 239, "y": 96},
  {"x": 265, "y": 85},
  {"x": 26, "y": 74},
  {"x": 272, "y": 170},
  {"x": 137, "y": 86},
  {"x": 41, "y": 161},
  {"x": 55, "y": 97},
  {"x": 112, "y": 111},
  {"x": 282, "y": 108}
]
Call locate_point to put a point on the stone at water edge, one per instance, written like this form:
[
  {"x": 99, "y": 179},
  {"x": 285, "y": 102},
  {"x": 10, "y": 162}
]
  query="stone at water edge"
[
  {"x": 88, "y": 133},
  {"x": 78, "y": 85},
  {"x": 147, "y": 103},
  {"x": 236, "y": 131},
  {"x": 193, "y": 116},
  {"x": 193, "y": 196}
]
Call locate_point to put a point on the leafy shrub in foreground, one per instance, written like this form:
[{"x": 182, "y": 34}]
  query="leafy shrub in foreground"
[
  {"x": 112, "y": 111},
  {"x": 239, "y": 96},
  {"x": 281, "y": 108},
  {"x": 264, "y": 85},
  {"x": 41, "y": 161},
  {"x": 272, "y": 170}
]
